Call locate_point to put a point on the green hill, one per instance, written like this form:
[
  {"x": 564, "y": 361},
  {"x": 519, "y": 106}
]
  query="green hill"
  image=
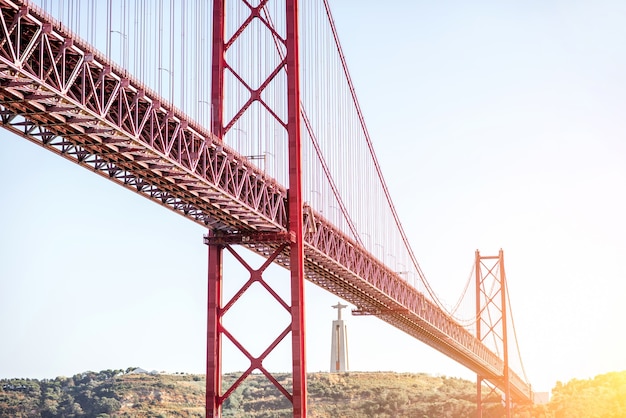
[
  {"x": 116, "y": 393},
  {"x": 107, "y": 393},
  {"x": 604, "y": 396},
  {"x": 119, "y": 393}
]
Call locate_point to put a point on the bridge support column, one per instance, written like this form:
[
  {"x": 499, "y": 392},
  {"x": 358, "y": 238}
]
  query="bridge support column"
[
  {"x": 214, "y": 332},
  {"x": 296, "y": 257},
  {"x": 259, "y": 30},
  {"x": 277, "y": 246},
  {"x": 491, "y": 323}
]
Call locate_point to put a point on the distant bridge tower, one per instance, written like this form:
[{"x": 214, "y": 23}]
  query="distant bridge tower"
[
  {"x": 339, "y": 345},
  {"x": 491, "y": 324}
]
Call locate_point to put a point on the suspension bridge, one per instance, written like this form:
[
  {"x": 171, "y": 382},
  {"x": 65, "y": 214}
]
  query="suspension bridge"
[{"x": 228, "y": 116}]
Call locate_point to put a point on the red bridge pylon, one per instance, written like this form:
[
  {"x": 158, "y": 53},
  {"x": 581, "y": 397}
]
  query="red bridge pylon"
[
  {"x": 278, "y": 64},
  {"x": 491, "y": 329}
]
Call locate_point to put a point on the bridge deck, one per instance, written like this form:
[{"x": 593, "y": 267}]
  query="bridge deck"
[{"x": 58, "y": 92}]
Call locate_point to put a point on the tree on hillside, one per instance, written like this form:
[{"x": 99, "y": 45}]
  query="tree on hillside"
[{"x": 604, "y": 396}]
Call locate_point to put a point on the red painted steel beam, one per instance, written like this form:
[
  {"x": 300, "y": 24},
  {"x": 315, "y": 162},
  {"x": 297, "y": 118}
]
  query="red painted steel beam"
[
  {"x": 217, "y": 69},
  {"x": 296, "y": 252},
  {"x": 214, "y": 332}
]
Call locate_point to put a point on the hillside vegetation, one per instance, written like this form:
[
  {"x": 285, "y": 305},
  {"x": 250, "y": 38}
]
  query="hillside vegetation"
[
  {"x": 119, "y": 393},
  {"x": 116, "y": 393},
  {"x": 604, "y": 396}
]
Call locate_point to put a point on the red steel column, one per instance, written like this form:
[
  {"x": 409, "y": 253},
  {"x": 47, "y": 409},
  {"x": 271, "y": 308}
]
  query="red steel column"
[
  {"x": 295, "y": 212},
  {"x": 505, "y": 338},
  {"x": 214, "y": 335},
  {"x": 217, "y": 69},
  {"x": 479, "y": 380}
]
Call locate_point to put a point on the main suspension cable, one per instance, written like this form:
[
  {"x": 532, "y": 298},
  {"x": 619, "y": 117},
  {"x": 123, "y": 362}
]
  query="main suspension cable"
[
  {"x": 519, "y": 353},
  {"x": 377, "y": 165}
]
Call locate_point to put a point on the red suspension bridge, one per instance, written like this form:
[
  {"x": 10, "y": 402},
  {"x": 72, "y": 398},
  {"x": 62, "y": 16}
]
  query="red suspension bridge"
[{"x": 270, "y": 152}]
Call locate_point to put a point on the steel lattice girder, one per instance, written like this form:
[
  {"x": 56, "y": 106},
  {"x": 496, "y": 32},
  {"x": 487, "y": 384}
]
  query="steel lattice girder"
[
  {"x": 63, "y": 95},
  {"x": 70, "y": 91}
]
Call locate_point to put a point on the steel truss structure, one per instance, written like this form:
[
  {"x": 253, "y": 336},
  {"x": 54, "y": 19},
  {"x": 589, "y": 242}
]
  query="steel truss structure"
[
  {"x": 288, "y": 65},
  {"x": 60, "y": 93},
  {"x": 491, "y": 326}
]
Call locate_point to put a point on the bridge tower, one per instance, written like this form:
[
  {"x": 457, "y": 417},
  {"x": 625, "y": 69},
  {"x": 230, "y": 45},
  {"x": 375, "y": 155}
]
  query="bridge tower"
[
  {"x": 251, "y": 25},
  {"x": 491, "y": 324},
  {"x": 339, "y": 343}
]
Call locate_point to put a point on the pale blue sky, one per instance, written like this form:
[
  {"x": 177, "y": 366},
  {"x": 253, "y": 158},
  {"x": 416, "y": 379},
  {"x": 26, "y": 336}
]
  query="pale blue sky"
[{"x": 497, "y": 125}]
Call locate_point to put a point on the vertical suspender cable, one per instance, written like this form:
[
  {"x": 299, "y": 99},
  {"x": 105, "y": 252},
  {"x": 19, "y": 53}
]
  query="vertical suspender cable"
[
  {"x": 315, "y": 143},
  {"x": 183, "y": 55},
  {"x": 92, "y": 26},
  {"x": 159, "y": 48},
  {"x": 136, "y": 59},
  {"x": 108, "y": 28},
  {"x": 377, "y": 166},
  {"x": 519, "y": 354},
  {"x": 123, "y": 36},
  {"x": 171, "y": 48}
]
